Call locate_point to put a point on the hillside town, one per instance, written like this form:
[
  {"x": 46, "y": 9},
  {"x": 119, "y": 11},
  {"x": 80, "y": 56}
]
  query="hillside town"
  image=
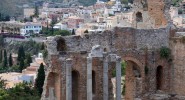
[
  {"x": 110, "y": 50},
  {"x": 83, "y": 19}
]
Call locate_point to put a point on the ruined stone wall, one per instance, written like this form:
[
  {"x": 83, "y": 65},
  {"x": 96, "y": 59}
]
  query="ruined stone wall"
[
  {"x": 178, "y": 48},
  {"x": 119, "y": 39},
  {"x": 128, "y": 43}
]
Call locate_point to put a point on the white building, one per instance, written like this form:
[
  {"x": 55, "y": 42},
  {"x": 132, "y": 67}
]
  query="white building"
[
  {"x": 31, "y": 28},
  {"x": 111, "y": 22},
  {"x": 60, "y": 26}
]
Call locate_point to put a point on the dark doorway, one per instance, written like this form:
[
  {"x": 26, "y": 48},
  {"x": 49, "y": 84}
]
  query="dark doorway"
[
  {"x": 139, "y": 17},
  {"x": 159, "y": 75},
  {"x": 75, "y": 85},
  {"x": 53, "y": 81},
  {"x": 61, "y": 45},
  {"x": 93, "y": 82}
]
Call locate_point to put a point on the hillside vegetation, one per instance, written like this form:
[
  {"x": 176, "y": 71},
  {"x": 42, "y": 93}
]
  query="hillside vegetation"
[
  {"x": 176, "y": 2},
  {"x": 14, "y": 7}
]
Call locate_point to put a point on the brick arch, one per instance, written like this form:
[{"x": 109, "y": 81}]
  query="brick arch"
[
  {"x": 139, "y": 64},
  {"x": 134, "y": 78},
  {"x": 53, "y": 85}
]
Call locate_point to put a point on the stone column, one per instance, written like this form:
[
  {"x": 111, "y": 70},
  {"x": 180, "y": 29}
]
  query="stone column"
[
  {"x": 118, "y": 78},
  {"x": 105, "y": 78},
  {"x": 89, "y": 78},
  {"x": 68, "y": 79}
]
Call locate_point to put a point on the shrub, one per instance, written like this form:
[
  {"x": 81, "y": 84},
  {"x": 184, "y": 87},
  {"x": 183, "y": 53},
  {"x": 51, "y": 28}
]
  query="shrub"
[
  {"x": 86, "y": 31},
  {"x": 165, "y": 52},
  {"x": 45, "y": 53}
]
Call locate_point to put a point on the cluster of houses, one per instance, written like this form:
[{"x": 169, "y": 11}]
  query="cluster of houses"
[
  {"x": 98, "y": 17},
  {"x": 95, "y": 18}
]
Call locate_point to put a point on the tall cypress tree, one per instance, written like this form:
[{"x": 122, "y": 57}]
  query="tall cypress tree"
[
  {"x": 36, "y": 13},
  {"x": 21, "y": 53},
  {"x": 39, "y": 82},
  {"x": 42, "y": 46},
  {"x": 28, "y": 59},
  {"x": 21, "y": 65},
  {"x": 2, "y": 41},
  {"x": 10, "y": 60},
  {"x": 5, "y": 62},
  {"x": 1, "y": 56},
  {"x": 73, "y": 32}
]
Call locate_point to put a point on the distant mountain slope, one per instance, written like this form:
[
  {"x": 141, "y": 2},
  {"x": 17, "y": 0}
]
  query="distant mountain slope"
[
  {"x": 7, "y": 6},
  {"x": 13, "y": 7},
  {"x": 10, "y": 7}
]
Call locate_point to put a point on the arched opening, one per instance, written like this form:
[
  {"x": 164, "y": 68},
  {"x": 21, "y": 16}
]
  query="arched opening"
[
  {"x": 159, "y": 75},
  {"x": 133, "y": 81},
  {"x": 53, "y": 85},
  {"x": 93, "y": 82},
  {"x": 139, "y": 17},
  {"x": 61, "y": 45},
  {"x": 75, "y": 85}
]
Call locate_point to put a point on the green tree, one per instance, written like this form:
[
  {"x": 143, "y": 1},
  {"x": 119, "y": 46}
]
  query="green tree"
[
  {"x": 62, "y": 32},
  {"x": 39, "y": 82},
  {"x": 36, "y": 13},
  {"x": 45, "y": 53},
  {"x": 21, "y": 53},
  {"x": 10, "y": 60},
  {"x": 5, "y": 62},
  {"x": 53, "y": 22},
  {"x": 165, "y": 52},
  {"x": 22, "y": 91},
  {"x": 73, "y": 32},
  {"x": 21, "y": 65},
  {"x": 1, "y": 56},
  {"x": 4, "y": 94},
  {"x": 28, "y": 59},
  {"x": 2, "y": 83},
  {"x": 7, "y": 18},
  {"x": 124, "y": 1},
  {"x": 1, "y": 42},
  {"x": 42, "y": 46}
]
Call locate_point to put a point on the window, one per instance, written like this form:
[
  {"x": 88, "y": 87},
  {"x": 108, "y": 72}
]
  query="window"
[{"x": 139, "y": 17}]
